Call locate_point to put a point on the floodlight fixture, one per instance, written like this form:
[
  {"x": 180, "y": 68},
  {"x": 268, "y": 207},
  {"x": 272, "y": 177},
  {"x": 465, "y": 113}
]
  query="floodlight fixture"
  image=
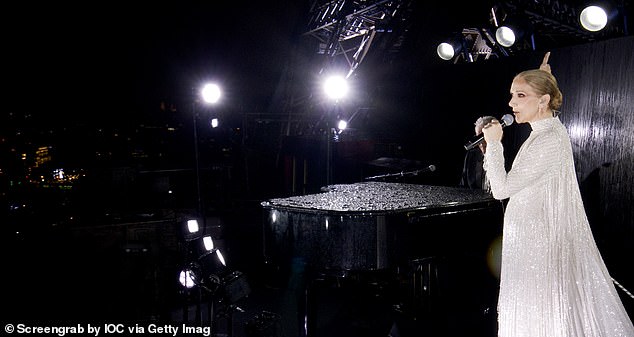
[
  {"x": 447, "y": 50},
  {"x": 192, "y": 226},
  {"x": 208, "y": 243},
  {"x": 452, "y": 47},
  {"x": 199, "y": 247},
  {"x": 336, "y": 87},
  {"x": 342, "y": 124},
  {"x": 215, "y": 123},
  {"x": 593, "y": 18},
  {"x": 191, "y": 230},
  {"x": 189, "y": 277},
  {"x": 204, "y": 270},
  {"x": 505, "y": 36},
  {"x": 221, "y": 258},
  {"x": 212, "y": 264},
  {"x": 211, "y": 93}
]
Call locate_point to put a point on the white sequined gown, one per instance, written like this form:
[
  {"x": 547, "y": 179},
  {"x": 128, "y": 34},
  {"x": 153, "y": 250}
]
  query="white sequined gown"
[{"x": 553, "y": 281}]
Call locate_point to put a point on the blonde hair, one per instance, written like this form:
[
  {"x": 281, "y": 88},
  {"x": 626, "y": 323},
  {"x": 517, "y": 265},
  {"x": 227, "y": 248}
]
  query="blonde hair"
[{"x": 544, "y": 83}]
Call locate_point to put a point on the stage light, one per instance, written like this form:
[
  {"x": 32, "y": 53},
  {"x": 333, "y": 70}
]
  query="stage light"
[
  {"x": 212, "y": 264},
  {"x": 593, "y": 18},
  {"x": 186, "y": 279},
  {"x": 447, "y": 50},
  {"x": 211, "y": 93},
  {"x": 505, "y": 36},
  {"x": 514, "y": 29},
  {"x": 204, "y": 270},
  {"x": 189, "y": 277},
  {"x": 201, "y": 247},
  {"x": 208, "y": 256},
  {"x": 336, "y": 87},
  {"x": 192, "y": 226},
  {"x": 221, "y": 258},
  {"x": 191, "y": 230},
  {"x": 208, "y": 242},
  {"x": 342, "y": 125},
  {"x": 451, "y": 47},
  {"x": 214, "y": 122}
]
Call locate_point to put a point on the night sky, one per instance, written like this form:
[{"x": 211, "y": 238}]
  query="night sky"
[
  {"x": 101, "y": 60},
  {"x": 114, "y": 63}
]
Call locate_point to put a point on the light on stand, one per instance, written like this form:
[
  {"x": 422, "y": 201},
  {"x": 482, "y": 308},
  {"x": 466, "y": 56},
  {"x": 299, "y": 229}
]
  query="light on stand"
[
  {"x": 211, "y": 93},
  {"x": 336, "y": 87},
  {"x": 213, "y": 264},
  {"x": 192, "y": 226},
  {"x": 221, "y": 258},
  {"x": 189, "y": 277},
  {"x": 208, "y": 242},
  {"x": 342, "y": 125},
  {"x": 214, "y": 122},
  {"x": 191, "y": 230},
  {"x": 206, "y": 265},
  {"x": 206, "y": 271},
  {"x": 186, "y": 278}
]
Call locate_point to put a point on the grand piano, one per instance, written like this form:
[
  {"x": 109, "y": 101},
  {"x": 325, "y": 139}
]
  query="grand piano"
[{"x": 417, "y": 235}]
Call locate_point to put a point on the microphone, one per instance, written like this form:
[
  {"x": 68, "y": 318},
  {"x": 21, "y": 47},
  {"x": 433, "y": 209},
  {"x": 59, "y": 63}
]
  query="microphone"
[
  {"x": 506, "y": 121},
  {"x": 430, "y": 168}
]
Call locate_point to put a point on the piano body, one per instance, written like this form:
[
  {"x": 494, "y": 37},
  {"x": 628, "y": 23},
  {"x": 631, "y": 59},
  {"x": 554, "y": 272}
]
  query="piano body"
[{"x": 418, "y": 235}]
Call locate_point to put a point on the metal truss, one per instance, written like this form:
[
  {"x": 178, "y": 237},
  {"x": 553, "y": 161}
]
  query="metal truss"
[
  {"x": 545, "y": 23},
  {"x": 555, "y": 23},
  {"x": 348, "y": 28}
]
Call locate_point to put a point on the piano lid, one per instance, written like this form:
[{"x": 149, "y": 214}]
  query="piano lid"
[{"x": 381, "y": 197}]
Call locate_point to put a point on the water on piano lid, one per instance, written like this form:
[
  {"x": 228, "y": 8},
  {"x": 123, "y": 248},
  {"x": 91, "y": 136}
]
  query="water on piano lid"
[{"x": 371, "y": 225}]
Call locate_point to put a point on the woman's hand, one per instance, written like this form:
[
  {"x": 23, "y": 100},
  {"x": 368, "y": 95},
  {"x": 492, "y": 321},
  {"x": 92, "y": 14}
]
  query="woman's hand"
[
  {"x": 493, "y": 131},
  {"x": 545, "y": 66}
]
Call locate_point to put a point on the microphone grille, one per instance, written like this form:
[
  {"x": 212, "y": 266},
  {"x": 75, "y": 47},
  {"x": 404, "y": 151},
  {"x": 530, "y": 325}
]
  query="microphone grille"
[{"x": 507, "y": 119}]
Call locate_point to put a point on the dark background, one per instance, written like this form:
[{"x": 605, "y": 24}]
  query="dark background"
[{"x": 101, "y": 84}]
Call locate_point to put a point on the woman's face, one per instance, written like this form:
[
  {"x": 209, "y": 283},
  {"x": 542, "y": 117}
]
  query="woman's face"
[{"x": 525, "y": 102}]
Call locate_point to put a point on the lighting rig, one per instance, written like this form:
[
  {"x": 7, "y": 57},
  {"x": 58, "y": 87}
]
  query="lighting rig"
[
  {"x": 519, "y": 25},
  {"x": 206, "y": 279},
  {"x": 349, "y": 28}
]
